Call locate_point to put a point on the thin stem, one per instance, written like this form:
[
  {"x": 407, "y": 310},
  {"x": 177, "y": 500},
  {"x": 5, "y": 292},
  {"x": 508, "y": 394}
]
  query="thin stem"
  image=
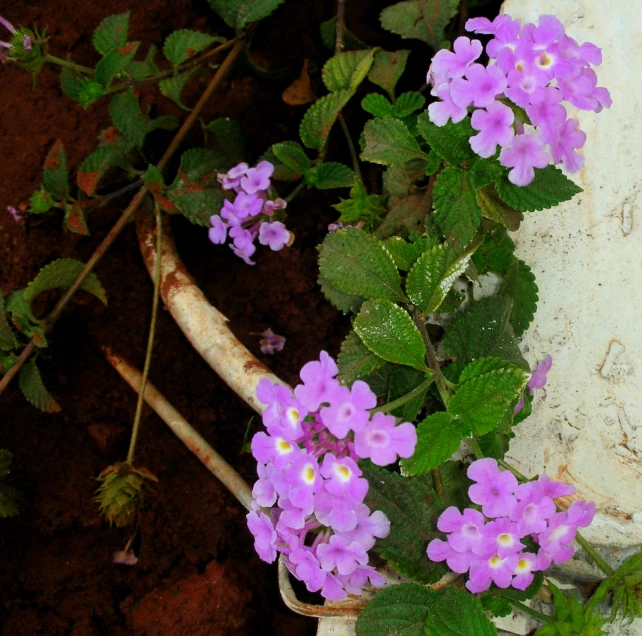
[
  {"x": 507, "y": 466},
  {"x": 341, "y": 18},
  {"x": 68, "y": 64},
  {"x": 119, "y": 193},
  {"x": 476, "y": 448},
  {"x": 126, "y": 215},
  {"x": 150, "y": 339},
  {"x": 438, "y": 483},
  {"x": 542, "y": 618},
  {"x": 431, "y": 357},
  {"x": 592, "y": 552},
  {"x": 351, "y": 148},
  {"x": 391, "y": 406},
  {"x": 295, "y": 192}
]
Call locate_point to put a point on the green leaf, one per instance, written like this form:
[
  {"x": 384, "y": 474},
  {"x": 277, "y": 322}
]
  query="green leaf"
[
  {"x": 111, "y": 33},
  {"x": 432, "y": 276},
  {"x": 111, "y": 66},
  {"x": 450, "y": 142},
  {"x": 377, "y": 105},
  {"x": 413, "y": 507},
  {"x": 356, "y": 361},
  {"x": 438, "y": 437},
  {"x": 487, "y": 387},
  {"x": 319, "y": 118},
  {"x": 360, "y": 207},
  {"x": 493, "y": 208},
  {"x": 75, "y": 220},
  {"x": 183, "y": 44},
  {"x": 281, "y": 171},
  {"x": 239, "y": 13},
  {"x": 61, "y": 273},
  {"x": 458, "y": 613},
  {"x": 424, "y": 20},
  {"x": 457, "y": 212},
  {"x": 388, "y": 141},
  {"x": 330, "y": 175},
  {"x": 388, "y": 331},
  {"x": 387, "y": 68},
  {"x": 69, "y": 83},
  {"x": 7, "y": 337},
  {"x": 484, "y": 329},
  {"x": 519, "y": 284},
  {"x": 40, "y": 202},
  {"x": 23, "y": 320},
  {"x": 226, "y": 137},
  {"x": 401, "y": 381},
  {"x": 128, "y": 118},
  {"x": 406, "y": 215},
  {"x": 55, "y": 172},
  {"x": 142, "y": 69},
  {"x": 291, "y": 154},
  {"x": 357, "y": 263},
  {"x": 172, "y": 87},
  {"x": 495, "y": 253},
  {"x": 549, "y": 188},
  {"x": 94, "y": 167},
  {"x": 400, "y": 610},
  {"x": 347, "y": 303},
  {"x": 496, "y": 605},
  {"x": 408, "y": 103},
  {"x": 10, "y": 501},
  {"x": 34, "y": 390},
  {"x": 404, "y": 253},
  {"x": 90, "y": 91},
  {"x": 347, "y": 70},
  {"x": 485, "y": 171},
  {"x": 329, "y": 36}
]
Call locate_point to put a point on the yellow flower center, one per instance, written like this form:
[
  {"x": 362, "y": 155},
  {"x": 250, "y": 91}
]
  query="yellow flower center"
[
  {"x": 494, "y": 561},
  {"x": 522, "y": 564},
  {"x": 308, "y": 474},
  {"x": 342, "y": 472},
  {"x": 544, "y": 61},
  {"x": 283, "y": 446},
  {"x": 505, "y": 539},
  {"x": 293, "y": 415}
]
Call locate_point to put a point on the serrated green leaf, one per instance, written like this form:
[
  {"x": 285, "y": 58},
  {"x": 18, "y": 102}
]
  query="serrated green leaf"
[
  {"x": 450, "y": 142},
  {"x": 487, "y": 387},
  {"x": 361, "y": 207},
  {"x": 400, "y": 610},
  {"x": 55, "y": 172},
  {"x": 457, "y": 212},
  {"x": 377, "y": 105},
  {"x": 74, "y": 219},
  {"x": 389, "y": 142},
  {"x": 432, "y": 276},
  {"x": 319, "y": 118},
  {"x": 333, "y": 175},
  {"x": 172, "y": 87},
  {"x": 239, "y": 13},
  {"x": 225, "y": 136},
  {"x": 128, "y": 118},
  {"x": 328, "y": 31},
  {"x": 112, "y": 65},
  {"x": 405, "y": 216},
  {"x": 69, "y": 84},
  {"x": 34, "y": 390},
  {"x": 281, "y": 171},
  {"x": 61, "y": 273},
  {"x": 387, "y": 68},
  {"x": 291, "y": 154},
  {"x": 483, "y": 329},
  {"x": 493, "y": 208},
  {"x": 142, "y": 69},
  {"x": 22, "y": 318},
  {"x": 40, "y": 202},
  {"x": 347, "y": 303},
  {"x": 347, "y": 70},
  {"x": 496, "y": 605},
  {"x": 549, "y": 188},
  {"x": 7, "y": 337},
  {"x": 495, "y": 253},
  {"x": 90, "y": 91},
  {"x": 408, "y": 103},
  {"x": 519, "y": 284},
  {"x": 197, "y": 206},
  {"x": 483, "y": 172},
  {"x": 438, "y": 437},
  {"x": 401, "y": 382},
  {"x": 356, "y": 361},
  {"x": 94, "y": 167},
  {"x": 111, "y": 33},
  {"x": 458, "y": 613},
  {"x": 199, "y": 165},
  {"x": 424, "y": 20},
  {"x": 357, "y": 263},
  {"x": 183, "y": 44},
  {"x": 413, "y": 507},
  {"x": 404, "y": 253},
  {"x": 388, "y": 331}
]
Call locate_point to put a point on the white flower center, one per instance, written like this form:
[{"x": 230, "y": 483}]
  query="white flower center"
[
  {"x": 342, "y": 472},
  {"x": 283, "y": 447},
  {"x": 292, "y": 416},
  {"x": 308, "y": 475}
]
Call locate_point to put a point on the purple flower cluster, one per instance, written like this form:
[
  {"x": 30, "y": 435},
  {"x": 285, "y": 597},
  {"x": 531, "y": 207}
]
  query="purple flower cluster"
[
  {"x": 535, "y": 68},
  {"x": 308, "y": 501},
  {"x": 250, "y": 214},
  {"x": 271, "y": 342},
  {"x": 488, "y": 544},
  {"x": 538, "y": 379},
  {"x": 6, "y": 47}
]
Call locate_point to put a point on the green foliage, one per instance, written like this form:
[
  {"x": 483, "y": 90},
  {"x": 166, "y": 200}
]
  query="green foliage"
[
  {"x": 400, "y": 609},
  {"x": 89, "y": 91},
  {"x": 432, "y": 276},
  {"x": 487, "y": 388},
  {"x": 484, "y": 172},
  {"x": 377, "y": 105},
  {"x": 142, "y": 69},
  {"x": 388, "y": 331},
  {"x": 69, "y": 83},
  {"x": 112, "y": 65},
  {"x": 483, "y": 329},
  {"x": 95, "y": 165},
  {"x": 172, "y": 87},
  {"x": 360, "y": 207},
  {"x": 495, "y": 253},
  {"x": 34, "y": 390},
  {"x": 320, "y": 117},
  {"x": 406, "y": 215},
  {"x": 519, "y": 284},
  {"x": 387, "y": 68},
  {"x": 457, "y": 212},
  {"x": 111, "y": 33},
  {"x": 330, "y": 175},
  {"x": 408, "y": 103},
  {"x": 424, "y": 20},
  {"x": 74, "y": 219},
  {"x": 55, "y": 180},
  {"x": 401, "y": 382},
  {"x": 571, "y": 618},
  {"x": 404, "y": 253},
  {"x": 347, "y": 303},
  {"x": 458, "y": 613},
  {"x": 355, "y": 360},
  {"x": 549, "y": 188},
  {"x": 293, "y": 156},
  {"x": 413, "y": 506},
  {"x": 328, "y": 31},
  {"x": 347, "y": 70},
  {"x": 357, "y": 263},
  {"x": 496, "y": 605},
  {"x": 438, "y": 437},
  {"x": 239, "y": 13},
  {"x": 41, "y": 201},
  {"x": 183, "y": 44},
  {"x": 7, "y": 337},
  {"x": 493, "y": 208},
  {"x": 128, "y": 118},
  {"x": 388, "y": 141},
  {"x": 450, "y": 142},
  {"x": 225, "y": 136}
]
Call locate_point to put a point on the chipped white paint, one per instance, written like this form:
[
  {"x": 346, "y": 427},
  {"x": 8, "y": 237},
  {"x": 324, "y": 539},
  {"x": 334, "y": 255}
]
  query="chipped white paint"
[{"x": 615, "y": 350}]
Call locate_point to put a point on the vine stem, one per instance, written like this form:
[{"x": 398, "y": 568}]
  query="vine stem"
[
  {"x": 150, "y": 338},
  {"x": 126, "y": 215},
  {"x": 295, "y": 192},
  {"x": 351, "y": 148},
  {"x": 68, "y": 64},
  {"x": 391, "y": 406},
  {"x": 541, "y": 617},
  {"x": 341, "y": 18}
]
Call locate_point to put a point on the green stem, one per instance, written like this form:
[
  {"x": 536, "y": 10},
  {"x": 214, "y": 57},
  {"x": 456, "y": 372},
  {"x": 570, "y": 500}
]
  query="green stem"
[
  {"x": 391, "y": 406},
  {"x": 515, "y": 472},
  {"x": 438, "y": 483},
  {"x": 476, "y": 448},
  {"x": 542, "y": 618},
  {"x": 68, "y": 64},
  {"x": 295, "y": 192},
  {"x": 351, "y": 148},
  {"x": 150, "y": 339},
  {"x": 592, "y": 552}
]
